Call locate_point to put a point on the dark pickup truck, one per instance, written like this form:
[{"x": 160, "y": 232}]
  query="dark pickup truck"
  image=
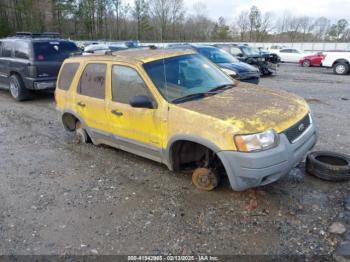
[
  {"x": 266, "y": 62},
  {"x": 31, "y": 62}
]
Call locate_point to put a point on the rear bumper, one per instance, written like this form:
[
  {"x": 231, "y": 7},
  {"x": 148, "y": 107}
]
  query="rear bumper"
[
  {"x": 48, "y": 83},
  {"x": 247, "y": 170}
]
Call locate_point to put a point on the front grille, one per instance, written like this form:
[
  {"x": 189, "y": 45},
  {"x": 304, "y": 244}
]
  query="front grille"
[{"x": 298, "y": 129}]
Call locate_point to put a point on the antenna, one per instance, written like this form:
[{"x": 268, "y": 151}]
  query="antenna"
[{"x": 164, "y": 69}]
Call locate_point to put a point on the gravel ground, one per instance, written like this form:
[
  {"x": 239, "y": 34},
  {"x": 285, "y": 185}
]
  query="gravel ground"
[{"x": 58, "y": 197}]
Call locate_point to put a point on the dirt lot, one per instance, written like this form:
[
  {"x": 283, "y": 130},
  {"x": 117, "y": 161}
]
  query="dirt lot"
[{"x": 58, "y": 197}]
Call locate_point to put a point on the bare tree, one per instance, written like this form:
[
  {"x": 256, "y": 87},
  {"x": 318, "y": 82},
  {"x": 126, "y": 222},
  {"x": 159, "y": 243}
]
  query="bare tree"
[
  {"x": 320, "y": 28},
  {"x": 266, "y": 26},
  {"x": 254, "y": 21},
  {"x": 141, "y": 15},
  {"x": 242, "y": 23},
  {"x": 306, "y": 26},
  {"x": 164, "y": 14}
]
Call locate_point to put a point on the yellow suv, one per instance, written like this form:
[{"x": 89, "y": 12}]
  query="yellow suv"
[{"x": 177, "y": 108}]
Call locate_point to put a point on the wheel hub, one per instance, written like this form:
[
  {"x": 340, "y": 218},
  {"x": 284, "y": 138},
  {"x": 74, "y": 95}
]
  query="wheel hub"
[
  {"x": 205, "y": 179},
  {"x": 340, "y": 69},
  {"x": 14, "y": 88}
]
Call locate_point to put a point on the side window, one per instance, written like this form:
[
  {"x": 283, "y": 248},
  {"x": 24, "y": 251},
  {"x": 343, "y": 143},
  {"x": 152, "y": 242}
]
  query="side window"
[
  {"x": 6, "y": 49},
  {"x": 126, "y": 83},
  {"x": 92, "y": 81},
  {"x": 236, "y": 51},
  {"x": 68, "y": 72},
  {"x": 22, "y": 50},
  {"x": 285, "y": 51}
]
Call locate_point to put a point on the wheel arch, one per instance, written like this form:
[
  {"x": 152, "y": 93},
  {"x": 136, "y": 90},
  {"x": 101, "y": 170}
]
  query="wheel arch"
[
  {"x": 341, "y": 60},
  {"x": 69, "y": 120},
  {"x": 175, "y": 141},
  {"x": 12, "y": 72}
]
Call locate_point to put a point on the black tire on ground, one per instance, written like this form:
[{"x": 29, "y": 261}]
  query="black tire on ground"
[
  {"x": 341, "y": 68},
  {"x": 328, "y": 166},
  {"x": 306, "y": 63},
  {"x": 17, "y": 88}
]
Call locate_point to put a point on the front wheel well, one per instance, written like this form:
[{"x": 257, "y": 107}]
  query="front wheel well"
[{"x": 188, "y": 155}]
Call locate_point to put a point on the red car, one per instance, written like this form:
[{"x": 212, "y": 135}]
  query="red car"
[{"x": 312, "y": 60}]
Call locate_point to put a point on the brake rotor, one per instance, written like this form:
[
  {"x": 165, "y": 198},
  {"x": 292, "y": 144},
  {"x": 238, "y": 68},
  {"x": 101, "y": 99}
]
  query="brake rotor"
[{"x": 205, "y": 179}]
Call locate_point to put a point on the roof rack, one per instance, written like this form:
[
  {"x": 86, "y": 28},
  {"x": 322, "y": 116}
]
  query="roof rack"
[{"x": 38, "y": 35}]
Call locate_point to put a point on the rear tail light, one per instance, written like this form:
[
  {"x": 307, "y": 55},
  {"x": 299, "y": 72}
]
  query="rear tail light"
[{"x": 32, "y": 71}]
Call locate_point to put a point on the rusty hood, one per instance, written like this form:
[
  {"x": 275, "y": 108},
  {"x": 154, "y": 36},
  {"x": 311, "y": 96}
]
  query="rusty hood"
[{"x": 251, "y": 109}]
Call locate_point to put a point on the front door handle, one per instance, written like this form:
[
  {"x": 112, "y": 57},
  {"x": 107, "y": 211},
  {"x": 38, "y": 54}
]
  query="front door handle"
[
  {"x": 81, "y": 104},
  {"x": 116, "y": 112}
]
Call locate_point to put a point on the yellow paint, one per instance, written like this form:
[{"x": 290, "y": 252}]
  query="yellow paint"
[{"x": 157, "y": 126}]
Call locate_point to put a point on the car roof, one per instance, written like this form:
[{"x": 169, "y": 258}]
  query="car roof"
[
  {"x": 135, "y": 55},
  {"x": 96, "y": 47}
]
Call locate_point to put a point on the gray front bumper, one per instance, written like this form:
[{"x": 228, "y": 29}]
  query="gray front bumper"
[{"x": 247, "y": 170}]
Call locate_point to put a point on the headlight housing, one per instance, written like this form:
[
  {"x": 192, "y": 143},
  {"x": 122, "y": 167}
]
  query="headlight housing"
[
  {"x": 257, "y": 142},
  {"x": 229, "y": 72}
]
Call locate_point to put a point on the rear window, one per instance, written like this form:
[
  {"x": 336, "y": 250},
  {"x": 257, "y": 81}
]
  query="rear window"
[
  {"x": 53, "y": 50},
  {"x": 22, "y": 50},
  {"x": 92, "y": 81},
  {"x": 67, "y": 74}
]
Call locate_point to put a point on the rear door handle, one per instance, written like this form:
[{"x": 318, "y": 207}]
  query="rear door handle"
[
  {"x": 81, "y": 104},
  {"x": 116, "y": 112}
]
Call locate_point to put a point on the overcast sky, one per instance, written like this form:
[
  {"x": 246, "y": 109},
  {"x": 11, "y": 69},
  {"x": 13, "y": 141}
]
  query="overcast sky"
[{"x": 332, "y": 9}]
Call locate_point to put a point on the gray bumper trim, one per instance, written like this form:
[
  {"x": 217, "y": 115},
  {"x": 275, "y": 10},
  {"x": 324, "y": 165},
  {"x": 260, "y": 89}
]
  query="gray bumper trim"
[{"x": 247, "y": 170}]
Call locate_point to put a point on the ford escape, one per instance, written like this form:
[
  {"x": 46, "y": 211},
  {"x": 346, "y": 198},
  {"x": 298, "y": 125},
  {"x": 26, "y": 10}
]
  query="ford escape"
[{"x": 178, "y": 108}]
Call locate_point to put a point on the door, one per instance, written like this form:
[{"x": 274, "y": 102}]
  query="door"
[
  {"x": 90, "y": 99},
  {"x": 297, "y": 55},
  {"x": 136, "y": 129}
]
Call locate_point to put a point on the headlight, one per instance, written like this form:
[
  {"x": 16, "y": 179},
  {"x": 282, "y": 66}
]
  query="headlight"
[
  {"x": 257, "y": 142},
  {"x": 229, "y": 72}
]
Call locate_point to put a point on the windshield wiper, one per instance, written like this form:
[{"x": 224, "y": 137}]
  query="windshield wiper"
[
  {"x": 188, "y": 97},
  {"x": 202, "y": 94},
  {"x": 226, "y": 86}
]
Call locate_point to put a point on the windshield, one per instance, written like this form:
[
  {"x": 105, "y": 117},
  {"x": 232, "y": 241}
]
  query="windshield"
[
  {"x": 180, "y": 76},
  {"x": 217, "y": 56},
  {"x": 54, "y": 51},
  {"x": 250, "y": 51}
]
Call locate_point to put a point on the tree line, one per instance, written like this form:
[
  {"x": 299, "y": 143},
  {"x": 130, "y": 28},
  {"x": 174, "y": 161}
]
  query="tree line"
[{"x": 161, "y": 20}]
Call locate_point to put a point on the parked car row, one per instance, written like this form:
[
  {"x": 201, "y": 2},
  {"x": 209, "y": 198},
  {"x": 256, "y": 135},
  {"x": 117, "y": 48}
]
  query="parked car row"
[
  {"x": 229, "y": 64},
  {"x": 339, "y": 61},
  {"x": 266, "y": 62}
]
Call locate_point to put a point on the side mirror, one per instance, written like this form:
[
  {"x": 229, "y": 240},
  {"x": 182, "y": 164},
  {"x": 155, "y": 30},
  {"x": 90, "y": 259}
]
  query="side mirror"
[{"x": 141, "y": 102}]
